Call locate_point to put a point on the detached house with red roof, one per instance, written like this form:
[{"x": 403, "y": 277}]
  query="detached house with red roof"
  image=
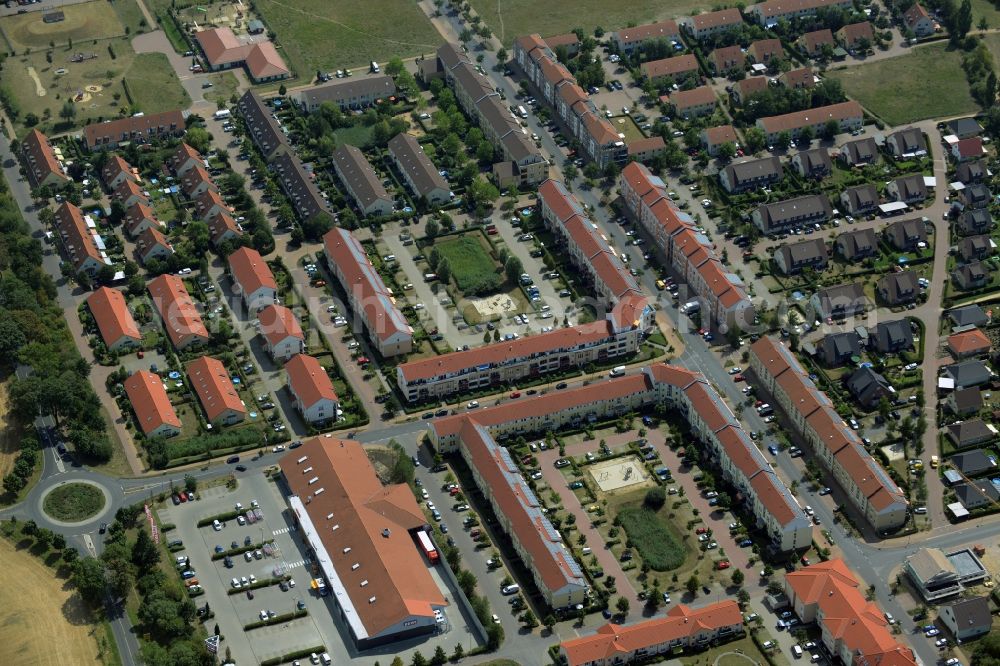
[
  {"x": 281, "y": 331},
  {"x": 43, "y": 161},
  {"x": 252, "y": 279},
  {"x": 223, "y": 50},
  {"x": 852, "y": 628},
  {"x": 154, "y": 414},
  {"x": 919, "y": 21},
  {"x": 854, "y": 35},
  {"x": 966, "y": 150},
  {"x": 216, "y": 392},
  {"x": 969, "y": 344},
  {"x": 196, "y": 181},
  {"x": 814, "y": 42},
  {"x": 114, "y": 320},
  {"x": 683, "y": 627},
  {"x": 727, "y": 58},
  {"x": 713, "y": 138},
  {"x": 312, "y": 389}
]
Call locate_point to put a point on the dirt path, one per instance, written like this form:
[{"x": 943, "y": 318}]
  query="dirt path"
[
  {"x": 39, "y": 88},
  {"x": 42, "y": 622}
]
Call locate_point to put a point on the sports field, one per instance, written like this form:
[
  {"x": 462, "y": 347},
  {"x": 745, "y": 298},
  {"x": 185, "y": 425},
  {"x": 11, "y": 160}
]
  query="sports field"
[
  {"x": 321, "y": 35},
  {"x": 43, "y": 622},
  {"x": 86, "y": 21},
  {"x": 889, "y": 90},
  {"x": 510, "y": 19}
]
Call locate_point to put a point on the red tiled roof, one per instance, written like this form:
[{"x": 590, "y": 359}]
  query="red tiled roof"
[
  {"x": 264, "y": 62},
  {"x": 718, "y": 135},
  {"x": 646, "y": 145},
  {"x": 115, "y": 166},
  {"x": 670, "y": 66},
  {"x": 76, "y": 237},
  {"x": 659, "y": 30},
  {"x": 817, "y": 38},
  {"x": 613, "y": 642},
  {"x": 277, "y": 323},
  {"x": 41, "y": 159},
  {"x": 685, "y": 99},
  {"x": 361, "y": 522},
  {"x": 177, "y": 310},
  {"x": 969, "y": 342},
  {"x": 308, "y": 380},
  {"x": 729, "y": 16},
  {"x": 136, "y": 213},
  {"x": 797, "y": 119},
  {"x": 113, "y": 318},
  {"x": 124, "y": 128},
  {"x": 250, "y": 271},
  {"x": 215, "y": 389},
  {"x": 150, "y": 402},
  {"x": 129, "y": 188}
]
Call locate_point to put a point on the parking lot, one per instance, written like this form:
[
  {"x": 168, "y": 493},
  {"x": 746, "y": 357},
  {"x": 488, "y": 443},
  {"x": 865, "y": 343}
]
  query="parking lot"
[{"x": 288, "y": 555}]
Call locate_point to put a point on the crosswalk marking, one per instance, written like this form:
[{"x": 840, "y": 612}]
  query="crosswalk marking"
[
  {"x": 283, "y": 530},
  {"x": 294, "y": 565}
]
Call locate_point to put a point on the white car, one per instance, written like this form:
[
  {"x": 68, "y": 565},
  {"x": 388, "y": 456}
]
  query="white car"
[{"x": 472, "y": 404}]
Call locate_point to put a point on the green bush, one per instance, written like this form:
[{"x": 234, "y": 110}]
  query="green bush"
[
  {"x": 277, "y": 619},
  {"x": 238, "y": 551},
  {"x": 221, "y": 517},
  {"x": 292, "y": 656},
  {"x": 652, "y": 538}
]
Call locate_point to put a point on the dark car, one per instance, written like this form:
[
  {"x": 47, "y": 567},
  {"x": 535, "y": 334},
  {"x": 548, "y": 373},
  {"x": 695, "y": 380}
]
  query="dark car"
[
  {"x": 176, "y": 500},
  {"x": 296, "y": 444},
  {"x": 232, "y": 459},
  {"x": 441, "y": 412},
  {"x": 241, "y": 468},
  {"x": 249, "y": 594},
  {"x": 561, "y": 385},
  {"x": 428, "y": 415},
  {"x": 104, "y": 528}
]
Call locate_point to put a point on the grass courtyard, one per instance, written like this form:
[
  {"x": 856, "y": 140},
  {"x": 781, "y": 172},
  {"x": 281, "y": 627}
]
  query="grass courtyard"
[
  {"x": 888, "y": 88},
  {"x": 653, "y": 535},
  {"x": 40, "y": 87},
  {"x": 84, "y": 22},
  {"x": 510, "y": 19},
  {"x": 318, "y": 35},
  {"x": 472, "y": 268}
]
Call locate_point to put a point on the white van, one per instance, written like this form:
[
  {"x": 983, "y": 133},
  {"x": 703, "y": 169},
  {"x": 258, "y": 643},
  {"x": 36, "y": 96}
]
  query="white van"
[
  {"x": 375, "y": 67},
  {"x": 797, "y": 651},
  {"x": 586, "y": 550},
  {"x": 617, "y": 371}
]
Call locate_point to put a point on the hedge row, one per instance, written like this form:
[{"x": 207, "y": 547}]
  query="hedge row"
[
  {"x": 277, "y": 619},
  {"x": 222, "y": 517},
  {"x": 291, "y": 656},
  {"x": 267, "y": 582},
  {"x": 238, "y": 551}
]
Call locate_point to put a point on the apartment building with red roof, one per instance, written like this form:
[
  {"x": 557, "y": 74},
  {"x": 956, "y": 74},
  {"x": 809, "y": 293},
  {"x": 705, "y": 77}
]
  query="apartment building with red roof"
[
  {"x": 852, "y": 627},
  {"x": 698, "y": 101},
  {"x": 367, "y": 295},
  {"x": 628, "y": 40},
  {"x": 704, "y": 25},
  {"x": 690, "y": 253},
  {"x": 177, "y": 311},
  {"x": 868, "y": 486},
  {"x": 598, "y": 139},
  {"x": 114, "y": 320},
  {"x": 152, "y": 244},
  {"x": 683, "y": 627},
  {"x": 83, "y": 246},
  {"x": 848, "y": 115},
  {"x": 43, "y": 161},
  {"x": 283, "y": 337},
  {"x": 769, "y": 13},
  {"x": 109, "y": 134},
  {"x": 709, "y": 419},
  {"x": 215, "y": 390},
  {"x": 154, "y": 414},
  {"x": 252, "y": 279},
  {"x": 224, "y": 50},
  {"x": 364, "y": 537},
  {"x": 310, "y": 386}
]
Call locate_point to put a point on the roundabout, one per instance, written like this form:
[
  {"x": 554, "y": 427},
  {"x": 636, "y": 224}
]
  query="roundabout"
[{"x": 76, "y": 502}]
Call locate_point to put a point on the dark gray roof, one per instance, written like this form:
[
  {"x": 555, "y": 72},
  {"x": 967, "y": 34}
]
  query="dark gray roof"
[
  {"x": 971, "y": 430},
  {"x": 868, "y": 386},
  {"x": 810, "y": 205},
  {"x": 968, "y": 315},
  {"x": 766, "y": 167},
  {"x": 343, "y": 92},
  {"x": 899, "y": 287},
  {"x": 905, "y": 232},
  {"x": 411, "y": 159},
  {"x": 807, "y": 250},
  {"x": 840, "y": 345},
  {"x": 972, "y": 247},
  {"x": 911, "y": 186},
  {"x": 263, "y": 128},
  {"x": 968, "y": 172},
  {"x": 972, "y": 613},
  {"x": 974, "y": 462},
  {"x": 359, "y": 176},
  {"x": 861, "y": 197},
  {"x": 893, "y": 335},
  {"x": 970, "y": 273},
  {"x": 976, "y": 493},
  {"x": 298, "y": 185},
  {"x": 964, "y": 127},
  {"x": 976, "y": 192},
  {"x": 860, "y": 150},
  {"x": 967, "y": 399},
  {"x": 908, "y": 139},
  {"x": 844, "y": 295},
  {"x": 814, "y": 159},
  {"x": 975, "y": 221},
  {"x": 857, "y": 242},
  {"x": 968, "y": 373}
]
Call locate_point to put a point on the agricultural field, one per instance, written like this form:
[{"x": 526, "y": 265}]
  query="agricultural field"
[
  {"x": 888, "y": 89},
  {"x": 472, "y": 267},
  {"x": 91, "y": 77},
  {"x": 43, "y": 621},
  {"x": 510, "y": 19},
  {"x": 318, "y": 35},
  {"x": 84, "y": 22}
]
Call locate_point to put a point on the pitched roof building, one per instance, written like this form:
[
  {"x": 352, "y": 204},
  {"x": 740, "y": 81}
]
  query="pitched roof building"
[
  {"x": 749, "y": 175},
  {"x": 215, "y": 390},
  {"x": 139, "y": 129},
  {"x": 81, "y": 243},
  {"x": 154, "y": 414},
  {"x": 711, "y": 23},
  {"x": 299, "y": 186},
  {"x": 629, "y": 39},
  {"x": 363, "y": 536},
  {"x": 768, "y": 13},
  {"x": 177, "y": 311},
  {"x": 848, "y": 115},
  {"x": 252, "y": 278},
  {"x": 361, "y": 182},
  {"x": 312, "y": 389},
  {"x": 223, "y": 50},
  {"x": 417, "y": 170},
  {"x": 352, "y": 93},
  {"x": 282, "y": 333},
  {"x": 114, "y": 320},
  {"x": 43, "y": 160},
  {"x": 793, "y": 258},
  {"x": 262, "y": 126}
]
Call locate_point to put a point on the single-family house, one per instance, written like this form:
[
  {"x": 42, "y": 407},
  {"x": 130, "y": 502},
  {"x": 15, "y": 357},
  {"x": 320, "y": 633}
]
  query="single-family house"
[
  {"x": 892, "y": 337},
  {"x": 919, "y": 21},
  {"x": 714, "y": 137},
  {"x": 968, "y": 315},
  {"x": 813, "y": 163},
  {"x": 856, "y": 245},
  {"x": 840, "y": 301},
  {"x": 252, "y": 279},
  {"x": 974, "y": 463},
  {"x": 973, "y": 171},
  {"x": 792, "y": 258},
  {"x": 908, "y": 189},
  {"x": 837, "y": 349},
  {"x": 312, "y": 390},
  {"x": 907, "y": 235},
  {"x": 860, "y": 200},
  {"x": 975, "y": 196},
  {"x": 969, "y": 433},
  {"x": 743, "y": 90},
  {"x": 727, "y": 58},
  {"x": 797, "y": 79},
  {"x": 973, "y": 275},
  {"x": 763, "y": 50},
  {"x": 812, "y": 43},
  {"x": 963, "y": 402},
  {"x": 967, "y": 618},
  {"x": 963, "y": 128},
  {"x": 976, "y": 221},
  {"x": 869, "y": 387},
  {"x": 698, "y": 101},
  {"x": 968, "y": 373},
  {"x": 974, "y": 248},
  {"x": 283, "y": 337},
  {"x": 859, "y": 152},
  {"x": 856, "y": 36},
  {"x": 907, "y": 142},
  {"x": 897, "y": 288},
  {"x": 965, "y": 150},
  {"x": 969, "y": 344}
]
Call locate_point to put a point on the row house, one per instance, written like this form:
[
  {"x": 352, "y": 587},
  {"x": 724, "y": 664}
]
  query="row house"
[
  {"x": 775, "y": 218},
  {"x": 769, "y": 13},
  {"x": 82, "y": 245},
  {"x": 262, "y": 125},
  {"x": 848, "y": 116},
  {"x": 361, "y": 182},
  {"x": 810, "y": 411},
  {"x": 43, "y": 161},
  {"x": 348, "y": 93},
  {"x": 793, "y": 258},
  {"x": 110, "y": 134},
  {"x": 751, "y": 175},
  {"x": 419, "y": 173},
  {"x": 299, "y": 185},
  {"x": 628, "y": 40},
  {"x": 708, "y": 24}
]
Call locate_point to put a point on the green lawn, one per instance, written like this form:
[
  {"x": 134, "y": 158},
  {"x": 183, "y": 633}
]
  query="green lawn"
[
  {"x": 74, "y": 502},
  {"x": 653, "y": 537},
  {"x": 320, "y": 35},
  {"x": 154, "y": 85},
  {"x": 86, "y": 21},
  {"x": 625, "y": 125},
  {"x": 888, "y": 88},
  {"x": 993, "y": 44},
  {"x": 510, "y": 19},
  {"x": 224, "y": 85},
  {"x": 131, "y": 16},
  {"x": 472, "y": 268}
]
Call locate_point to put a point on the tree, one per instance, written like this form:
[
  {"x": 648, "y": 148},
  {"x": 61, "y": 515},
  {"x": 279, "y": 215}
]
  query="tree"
[
  {"x": 738, "y": 577},
  {"x": 317, "y": 225},
  {"x": 622, "y": 605},
  {"x": 528, "y": 619},
  {"x": 145, "y": 554},
  {"x": 444, "y": 270},
  {"x": 432, "y": 228},
  {"x": 963, "y": 21},
  {"x": 806, "y": 135},
  {"x": 512, "y": 269},
  {"x": 755, "y": 139},
  {"x": 68, "y": 111},
  {"x": 784, "y": 140},
  {"x": 190, "y": 483},
  {"x": 88, "y": 577},
  {"x": 692, "y": 584},
  {"x": 439, "y": 657},
  {"x": 830, "y": 129},
  {"x": 198, "y": 138},
  {"x": 418, "y": 659},
  {"x": 59, "y": 542},
  {"x": 655, "y": 498},
  {"x": 282, "y": 90},
  {"x": 458, "y": 653},
  {"x": 726, "y": 151},
  {"x": 549, "y": 622},
  {"x": 983, "y": 24}
]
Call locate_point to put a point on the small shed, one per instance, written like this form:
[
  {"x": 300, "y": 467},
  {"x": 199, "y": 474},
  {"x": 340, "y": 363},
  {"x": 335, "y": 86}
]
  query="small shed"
[{"x": 255, "y": 27}]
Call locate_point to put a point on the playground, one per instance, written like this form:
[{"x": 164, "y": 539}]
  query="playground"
[
  {"x": 619, "y": 473},
  {"x": 84, "y": 22}
]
